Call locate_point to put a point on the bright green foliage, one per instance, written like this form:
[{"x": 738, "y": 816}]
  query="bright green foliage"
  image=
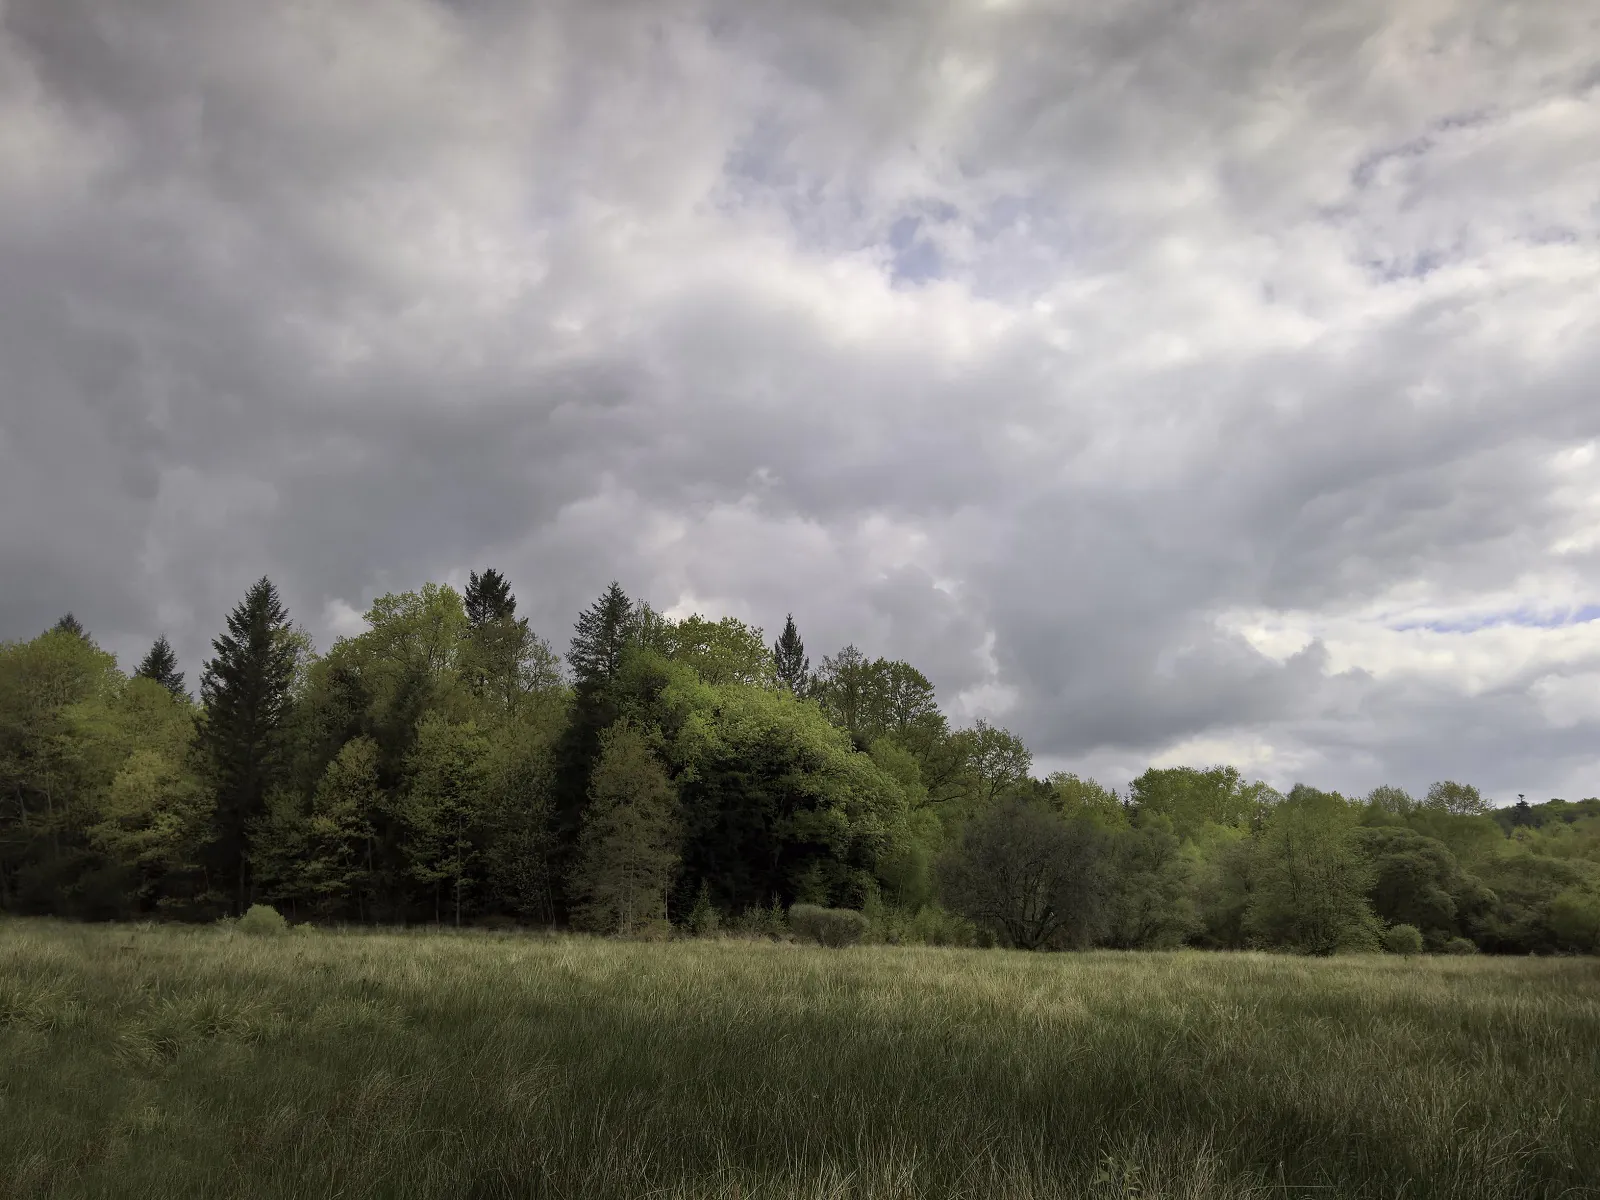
[
  {"x": 775, "y": 799},
  {"x": 161, "y": 665},
  {"x": 153, "y": 810},
  {"x": 1402, "y": 939},
  {"x": 1461, "y": 799},
  {"x": 1313, "y": 881},
  {"x": 725, "y": 651},
  {"x": 1074, "y": 797},
  {"x": 996, "y": 762},
  {"x": 832, "y": 927},
  {"x": 1389, "y": 802},
  {"x": 246, "y": 690},
  {"x": 628, "y": 851},
  {"x": 48, "y": 782},
  {"x": 1192, "y": 799},
  {"x": 874, "y": 698},
  {"x": 262, "y": 920}
]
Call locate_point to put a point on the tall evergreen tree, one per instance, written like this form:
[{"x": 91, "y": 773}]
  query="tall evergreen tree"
[
  {"x": 70, "y": 624},
  {"x": 161, "y": 665},
  {"x": 601, "y": 635},
  {"x": 628, "y": 851},
  {"x": 794, "y": 668},
  {"x": 489, "y": 598},
  {"x": 246, "y": 693}
]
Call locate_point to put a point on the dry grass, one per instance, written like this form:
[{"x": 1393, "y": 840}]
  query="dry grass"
[{"x": 146, "y": 1061}]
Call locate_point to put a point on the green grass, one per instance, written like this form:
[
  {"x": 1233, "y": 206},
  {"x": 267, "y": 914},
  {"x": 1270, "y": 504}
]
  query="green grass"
[{"x": 167, "y": 1062}]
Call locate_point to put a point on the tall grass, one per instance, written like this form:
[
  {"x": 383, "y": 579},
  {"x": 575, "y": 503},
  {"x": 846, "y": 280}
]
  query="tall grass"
[{"x": 165, "y": 1062}]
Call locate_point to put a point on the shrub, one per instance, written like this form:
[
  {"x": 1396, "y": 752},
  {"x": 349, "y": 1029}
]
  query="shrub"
[
  {"x": 1403, "y": 939},
  {"x": 262, "y": 921},
  {"x": 704, "y": 920},
  {"x": 933, "y": 926},
  {"x": 1458, "y": 945},
  {"x": 827, "y": 926}
]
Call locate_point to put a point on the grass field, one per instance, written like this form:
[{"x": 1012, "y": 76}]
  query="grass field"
[{"x": 170, "y": 1062}]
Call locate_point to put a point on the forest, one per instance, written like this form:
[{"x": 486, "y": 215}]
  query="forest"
[{"x": 673, "y": 777}]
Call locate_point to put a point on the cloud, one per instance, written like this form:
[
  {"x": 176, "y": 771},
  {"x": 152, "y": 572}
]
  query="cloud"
[{"x": 1169, "y": 382}]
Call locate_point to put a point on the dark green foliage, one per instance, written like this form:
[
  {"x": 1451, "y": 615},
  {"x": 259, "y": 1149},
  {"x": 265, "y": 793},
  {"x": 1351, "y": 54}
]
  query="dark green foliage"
[
  {"x": 246, "y": 693},
  {"x": 1417, "y": 882},
  {"x": 488, "y": 598},
  {"x": 833, "y": 927},
  {"x": 161, "y": 665},
  {"x": 794, "y": 668},
  {"x": 70, "y": 624},
  {"x": 600, "y": 638},
  {"x": 630, "y": 844},
  {"x": 1035, "y": 879}
]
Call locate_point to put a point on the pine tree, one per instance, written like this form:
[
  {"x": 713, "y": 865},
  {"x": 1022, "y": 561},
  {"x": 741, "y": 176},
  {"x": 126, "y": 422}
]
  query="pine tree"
[
  {"x": 489, "y": 598},
  {"x": 794, "y": 668},
  {"x": 602, "y": 633},
  {"x": 246, "y": 693},
  {"x": 629, "y": 849},
  {"x": 70, "y": 624},
  {"x": 161, "y": 665}
]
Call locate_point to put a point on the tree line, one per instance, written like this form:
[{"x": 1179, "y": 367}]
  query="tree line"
[{"x": 445, "y": 765}]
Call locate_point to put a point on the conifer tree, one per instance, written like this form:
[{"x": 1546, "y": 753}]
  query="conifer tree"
[
  {"x": 246, "y": 693},
  {"x": 161, "y": 665},
  {"x": 488, "y": 598},
  {"x": 794, "y": 668},
  {"x": 600, "y": 636},
  {"x": 628, "y": 852},
  {"x": 70, "y": 624}
]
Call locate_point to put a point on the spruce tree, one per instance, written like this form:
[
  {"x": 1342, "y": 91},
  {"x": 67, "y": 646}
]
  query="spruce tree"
[
  {"x": 70, "y": 624},
  {"x": 601, "y": 635},
  {"x": 246, "y": 693},
  {"x": 628, "y": 851},
  {"x": 489, "y": 598},
  {"x": 794, "y": 668},
  {"x": 161, "y": 665}
]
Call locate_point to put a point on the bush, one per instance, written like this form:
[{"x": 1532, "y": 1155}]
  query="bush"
[
  {"x": 262, "y": 921},
  {"x": 1403, "y": 939},
  {"x": 704, "y": 919},
  {"x": 933, "y": 926},
  {"x": 827, "y": 926},
  {"x": 1458, "y": 945}
]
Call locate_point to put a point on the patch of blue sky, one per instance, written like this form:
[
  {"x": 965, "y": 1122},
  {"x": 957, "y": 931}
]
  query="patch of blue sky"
[
  {"x": 1526, "y": 618},
  {"x": 916, "y": 259}
]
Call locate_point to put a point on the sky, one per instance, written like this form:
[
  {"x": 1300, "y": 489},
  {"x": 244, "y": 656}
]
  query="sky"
[{"x": 1173, "y": 382}]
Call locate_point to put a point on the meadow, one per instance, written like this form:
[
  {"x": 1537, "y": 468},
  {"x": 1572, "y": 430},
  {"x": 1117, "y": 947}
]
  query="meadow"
[{"x": 167, "y": 1061}]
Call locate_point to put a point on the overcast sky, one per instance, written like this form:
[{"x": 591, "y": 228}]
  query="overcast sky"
[{"x": 1172, "y": 382}]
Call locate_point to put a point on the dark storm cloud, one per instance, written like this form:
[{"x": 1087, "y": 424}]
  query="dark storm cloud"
[{"x": 1172, "y": 382}]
